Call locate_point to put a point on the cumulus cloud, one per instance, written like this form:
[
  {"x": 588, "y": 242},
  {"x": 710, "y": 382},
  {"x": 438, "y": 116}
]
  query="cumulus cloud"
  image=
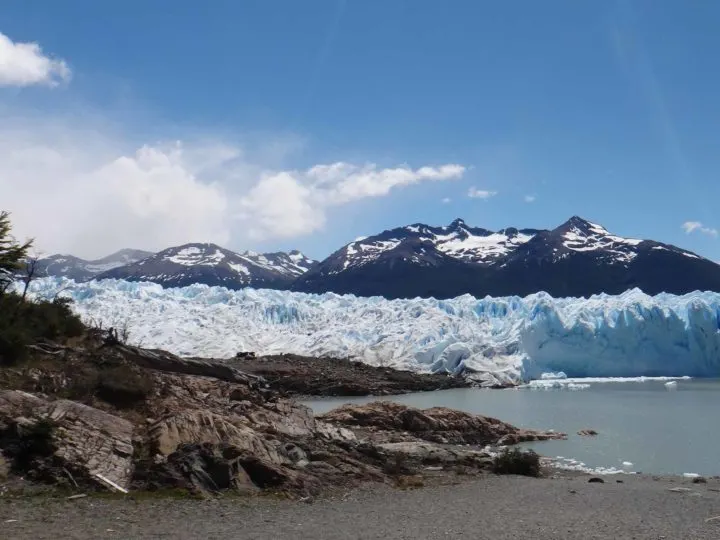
[
  {"x": 85, "y": 191},
  {"x": 529, "y": 198},
  {"x": 292, "y": 203},
  {"x": 25, "y": 64},
  {"x": 695, "y": 226},
  {"x": 475, "y": 193}
]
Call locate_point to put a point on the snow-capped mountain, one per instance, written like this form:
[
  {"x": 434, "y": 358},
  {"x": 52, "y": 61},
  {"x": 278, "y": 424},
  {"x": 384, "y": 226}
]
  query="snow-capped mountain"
[
  {"x": 578, "y": 258},
  {"x": 210, "y": 264},
  {"x": 82, "y": 270}
]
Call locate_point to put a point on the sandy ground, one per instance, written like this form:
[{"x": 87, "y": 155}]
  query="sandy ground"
[{"x": 493, "y": 507}]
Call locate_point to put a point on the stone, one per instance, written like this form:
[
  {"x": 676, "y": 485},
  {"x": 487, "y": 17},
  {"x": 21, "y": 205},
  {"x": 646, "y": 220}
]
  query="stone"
[
  {"x": 587, "y": 433},
  {"x": 84, "y": 440},
  {"x": 199, "y": 427},
  {"x": 203, "y": 468},
  {"x": 699, "y": 480},
  {"x": 596, "y": 480},
  {"x": 438, "y": 424}
]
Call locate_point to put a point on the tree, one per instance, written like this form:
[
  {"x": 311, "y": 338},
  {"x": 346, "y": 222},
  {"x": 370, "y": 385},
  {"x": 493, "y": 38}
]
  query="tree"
[{"x": 12, "y": 253}]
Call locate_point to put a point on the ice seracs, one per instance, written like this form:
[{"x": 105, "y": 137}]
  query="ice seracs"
[{"x": 495, "y": 341}]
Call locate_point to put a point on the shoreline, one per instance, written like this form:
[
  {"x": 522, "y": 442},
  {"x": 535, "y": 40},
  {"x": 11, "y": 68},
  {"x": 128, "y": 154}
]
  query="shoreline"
[{"x": 561, "y": 506}]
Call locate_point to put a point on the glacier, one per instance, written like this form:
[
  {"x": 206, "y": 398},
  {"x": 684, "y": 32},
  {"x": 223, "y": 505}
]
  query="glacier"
[{"x": 509, "y": 340}]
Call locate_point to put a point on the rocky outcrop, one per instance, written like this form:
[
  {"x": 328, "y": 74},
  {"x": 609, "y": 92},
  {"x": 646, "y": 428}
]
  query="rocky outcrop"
[
  {"x": 438, "y": 424},
  {"x": 295, "y": 375},
  {"x": 141, "y": 419},
  {"x": 70, "y": 439}
]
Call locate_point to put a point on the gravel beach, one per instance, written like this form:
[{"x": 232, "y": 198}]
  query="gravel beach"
[{"x": 495, "y": 507}]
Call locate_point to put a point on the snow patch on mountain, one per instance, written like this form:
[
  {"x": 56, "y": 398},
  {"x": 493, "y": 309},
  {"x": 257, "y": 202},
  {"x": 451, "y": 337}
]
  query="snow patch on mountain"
[
  {"x": 586, "y": 236},
  {"x": 494, "y": 340},
  {"x": 476, "y": 247}
]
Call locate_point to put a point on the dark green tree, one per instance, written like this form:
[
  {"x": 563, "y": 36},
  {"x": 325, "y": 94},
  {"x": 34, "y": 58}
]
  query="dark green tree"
[{"x": 13, "y": 254}]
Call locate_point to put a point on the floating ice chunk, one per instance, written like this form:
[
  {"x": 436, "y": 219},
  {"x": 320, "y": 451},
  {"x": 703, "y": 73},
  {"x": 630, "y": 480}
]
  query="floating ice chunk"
[
  {"x": 671, "y": 385},
  {"x": 553, "y": 376},
  {"x": 555, "y": 384},
  {"x": 627, "y": 464}
]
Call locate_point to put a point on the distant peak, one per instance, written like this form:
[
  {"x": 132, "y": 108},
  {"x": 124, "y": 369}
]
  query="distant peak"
[
  {"x": 576, "y": 222},
  {"x": 457, "y": 222}
]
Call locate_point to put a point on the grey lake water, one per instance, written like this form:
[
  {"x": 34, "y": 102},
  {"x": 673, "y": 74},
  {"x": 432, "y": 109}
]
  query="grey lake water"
[{"x": 657, "y": 430}]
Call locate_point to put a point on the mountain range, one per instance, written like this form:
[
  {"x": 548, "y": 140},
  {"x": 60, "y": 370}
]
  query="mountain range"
[{"x": 578, "y": 258}]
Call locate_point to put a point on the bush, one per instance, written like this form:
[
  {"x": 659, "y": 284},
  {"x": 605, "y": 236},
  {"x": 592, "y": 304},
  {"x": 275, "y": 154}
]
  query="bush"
[
  {"x": 517, "y": 461},
  {"x": 25, "y": 322},
  {"x": 124, "y": 387}
]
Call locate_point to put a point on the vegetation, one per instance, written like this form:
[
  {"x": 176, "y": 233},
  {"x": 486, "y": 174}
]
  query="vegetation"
[
  {"x": 124, "y": 387},
  {"x": 12, "y": 253},
  {"x": 24, "y": 322},
  {"x": 517, "y": 461}
]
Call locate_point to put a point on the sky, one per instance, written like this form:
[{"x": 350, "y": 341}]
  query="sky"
[{"x": 275, "y": 125}]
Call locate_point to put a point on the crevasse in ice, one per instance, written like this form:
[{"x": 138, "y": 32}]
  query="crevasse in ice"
[{"x": 496, "y": 340}]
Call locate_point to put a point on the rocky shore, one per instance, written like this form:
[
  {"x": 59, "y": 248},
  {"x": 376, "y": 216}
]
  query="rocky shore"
[
  {"x": 294, "y": 375},
  {"x": 93, "y": 417}
]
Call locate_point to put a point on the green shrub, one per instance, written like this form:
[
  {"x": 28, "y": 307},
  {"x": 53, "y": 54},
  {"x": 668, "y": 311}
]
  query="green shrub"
[
  {"x": 517, "y": 461},
  {"x": 25, "y": 322}
]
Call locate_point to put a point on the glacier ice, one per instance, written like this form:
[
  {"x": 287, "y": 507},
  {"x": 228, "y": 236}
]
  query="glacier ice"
[{"x": 494, "y": 340}]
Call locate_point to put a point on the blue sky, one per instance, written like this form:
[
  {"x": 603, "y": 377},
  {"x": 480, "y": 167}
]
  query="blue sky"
[{"x": 282, "y": 124}]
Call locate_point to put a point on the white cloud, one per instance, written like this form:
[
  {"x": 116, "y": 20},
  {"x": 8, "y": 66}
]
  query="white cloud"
[
  {"x": 475, "y": 193},
  {"x": 82, "y": 190},
  {"x": 292, "y": 203},
  {"x": 695, "y": 226},
  {"x": 529, "y": 198},
  {"x": 446, "y": 200},
  {"x": 25, "y": 64}
]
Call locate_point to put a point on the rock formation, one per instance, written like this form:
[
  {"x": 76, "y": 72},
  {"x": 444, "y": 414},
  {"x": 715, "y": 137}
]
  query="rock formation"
[{"x": 125, "y": 418}]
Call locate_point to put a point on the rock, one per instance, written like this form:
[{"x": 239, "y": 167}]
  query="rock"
[
  {"x": 4, "y": 468},
  {"x": 596, "y": 480},
  {"x": 299, "y": 375},
  {"x": 334, "y": 433},
  {"x": 206, "y": 426},
  {"x": 438, "y": 424},
  {"x": 429, "y": 453},
  {"x": 67, "y": 435},
  {"x": 699, "y": 480},
  {"x": 587, "y": 433},
  {"x": 200, "y": 427},
  {"x": 167, "y": 362},
  {"x": 202, "y": 468}
]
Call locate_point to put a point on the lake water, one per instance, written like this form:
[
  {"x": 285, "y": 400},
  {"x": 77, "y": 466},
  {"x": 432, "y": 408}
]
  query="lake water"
[{"x": 659, "y": 431}]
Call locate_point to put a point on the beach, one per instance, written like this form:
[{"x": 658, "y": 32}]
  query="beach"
[{"x": 493, "y": 507}]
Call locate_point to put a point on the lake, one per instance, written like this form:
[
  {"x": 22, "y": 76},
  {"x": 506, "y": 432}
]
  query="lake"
[{"x": 656, "y": 429}]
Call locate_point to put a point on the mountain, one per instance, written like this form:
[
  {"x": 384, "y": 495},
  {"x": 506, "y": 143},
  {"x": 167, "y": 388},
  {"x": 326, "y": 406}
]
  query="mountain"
[
  {"x": 210, "y": 264},
  {"x": 578, "y": 258},
  {"x": 82, "y": 270}
]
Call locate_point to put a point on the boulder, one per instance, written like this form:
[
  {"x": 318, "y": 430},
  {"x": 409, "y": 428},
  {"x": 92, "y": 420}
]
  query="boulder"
[
  {"x": 437, "y": 424},
  {"x": 72, "y": 438}
]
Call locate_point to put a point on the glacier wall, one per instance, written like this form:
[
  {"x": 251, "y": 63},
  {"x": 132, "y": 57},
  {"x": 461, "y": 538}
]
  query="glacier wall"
[{"x": 497, "y": 340}]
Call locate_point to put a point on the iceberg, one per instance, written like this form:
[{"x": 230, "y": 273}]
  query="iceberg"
[{"x": 510, "y": 340}]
